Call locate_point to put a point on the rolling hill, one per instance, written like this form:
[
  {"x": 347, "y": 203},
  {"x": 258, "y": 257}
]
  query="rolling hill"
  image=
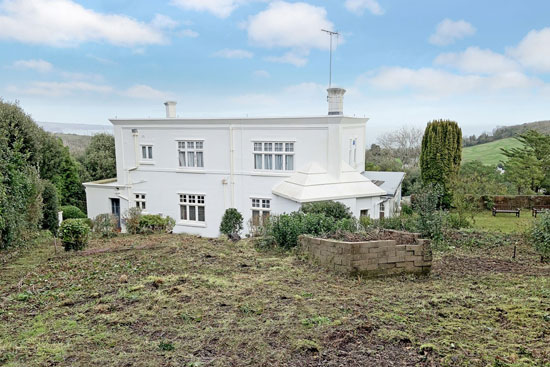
[{"x": 489, "y": 153}]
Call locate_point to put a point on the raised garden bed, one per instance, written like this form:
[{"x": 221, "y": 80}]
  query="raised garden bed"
[{"x": 378, "y": 253}]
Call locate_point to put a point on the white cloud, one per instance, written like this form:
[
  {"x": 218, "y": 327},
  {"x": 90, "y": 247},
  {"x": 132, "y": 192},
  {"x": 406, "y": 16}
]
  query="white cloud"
[
  {"x": 534, "y": 50},
  {"x": 476, "y": 60},
  {"x": 448, "y": 31},
  {"x": 220, "y": 8},
  {"x": 261, "y": 74},
  {"x": 64, "y": 23},
  {"x": 437, "y": 82},
  {"x": 294, "y": 58},
  {"x": 359, "y": 6},
  {"x": 290, "y": 25},
  {"x": 142, "y": 91},
  {"x": 234, "y": 54},
  {"x": 189, "y": 33},
  {"x": 38, "y": 65},
  {"x": 163, "y": 22},
  {"x": 58, "y": 89}
]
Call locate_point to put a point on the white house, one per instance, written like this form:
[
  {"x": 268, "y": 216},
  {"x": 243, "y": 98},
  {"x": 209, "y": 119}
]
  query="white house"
[
  {"x": 194, "y": 169},
  {"x": 390, "y": 182}
]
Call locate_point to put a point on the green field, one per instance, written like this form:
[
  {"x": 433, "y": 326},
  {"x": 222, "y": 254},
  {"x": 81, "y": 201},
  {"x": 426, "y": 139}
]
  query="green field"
[{"x": 489, "y": 153}]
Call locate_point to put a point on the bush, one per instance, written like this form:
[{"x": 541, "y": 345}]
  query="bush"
[
  {"x": 232, "y": 223},
  {"x": 317, "y": 224},
  {"x": 131, "y": 220},
  {"x": 50, "y": 209},
  {"x": 406, "y": 209},
  {"x": 155, "y": 224},
  {"x": 106, "y": 225},
  {"x": 455, "y": 221},
  {"x": 331, "y": 209},
  {"x": 347, "y": 225},
  {"x": 72, "y": 212},
  {"x": 540, "y": 235},
  {"x": 286, "y": 228},
  {"x": 74, "y": 234}
]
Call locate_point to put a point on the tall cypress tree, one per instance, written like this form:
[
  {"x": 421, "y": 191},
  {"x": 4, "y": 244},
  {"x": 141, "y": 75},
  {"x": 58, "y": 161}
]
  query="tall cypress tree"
[{"x": 441, "y": 155}]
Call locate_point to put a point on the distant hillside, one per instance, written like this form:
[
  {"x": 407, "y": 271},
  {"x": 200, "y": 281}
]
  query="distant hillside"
[
  {"x": 504, "y": 132},
  {"x": 77, "y": 144},
  {"x": 489, "y": 153}
]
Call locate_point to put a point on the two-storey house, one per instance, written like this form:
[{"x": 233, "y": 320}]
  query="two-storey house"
[{"x": 194, "y": 169}]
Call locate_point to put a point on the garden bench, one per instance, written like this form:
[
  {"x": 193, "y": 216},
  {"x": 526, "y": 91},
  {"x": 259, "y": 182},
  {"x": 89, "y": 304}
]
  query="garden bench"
[
  {"x": 539, "y": 209},
  {"x": 497, "y": 209}
]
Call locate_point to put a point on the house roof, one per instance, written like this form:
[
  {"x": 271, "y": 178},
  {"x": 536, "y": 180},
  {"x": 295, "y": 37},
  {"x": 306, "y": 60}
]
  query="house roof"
[
  {"x": 388, "y": 181},
  {"x": 314, "y": 183}
]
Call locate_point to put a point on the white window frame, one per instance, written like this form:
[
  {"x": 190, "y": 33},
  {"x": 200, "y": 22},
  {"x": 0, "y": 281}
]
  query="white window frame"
[
  {"x": 189, "y": 207},
  {"x": 146, "y": 152},
  {"x": 352, "y": 153},
  {"x": 262, "y": 206},
  {"x": 140, "y": 199},
  {"x": 273, "y": 156},
  {"x": 189, "y": 148}
]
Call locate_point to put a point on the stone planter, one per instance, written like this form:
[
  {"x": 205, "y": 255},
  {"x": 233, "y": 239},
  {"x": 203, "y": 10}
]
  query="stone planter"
[{"x": 371, "y": 258}]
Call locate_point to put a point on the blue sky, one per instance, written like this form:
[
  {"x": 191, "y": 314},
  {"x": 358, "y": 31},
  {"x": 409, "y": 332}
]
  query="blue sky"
[{"x": 481, "y": 63}]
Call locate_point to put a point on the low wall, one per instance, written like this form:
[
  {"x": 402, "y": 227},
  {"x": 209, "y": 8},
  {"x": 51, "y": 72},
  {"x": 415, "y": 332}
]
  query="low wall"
[
  {"x": 518, "y": 201},
  {"x": 371, "y": 258}
]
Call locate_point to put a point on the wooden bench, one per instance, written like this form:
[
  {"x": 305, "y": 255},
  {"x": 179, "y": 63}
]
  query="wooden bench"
[
  {"x": 539, "y": 209},
  {"x": 515, "y": 211}
]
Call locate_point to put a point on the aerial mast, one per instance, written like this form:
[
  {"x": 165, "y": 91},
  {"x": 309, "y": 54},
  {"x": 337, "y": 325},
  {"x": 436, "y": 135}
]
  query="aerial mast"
[{"x": 331, "y": 34}]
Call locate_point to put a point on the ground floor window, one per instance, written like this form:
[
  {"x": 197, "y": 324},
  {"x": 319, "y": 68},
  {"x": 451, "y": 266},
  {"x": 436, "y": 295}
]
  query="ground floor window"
[
  {"x": 261, "y": 209},
  {"x": 140, "y": 201},
  {"x": 364, "y": 213},
  {"x": 192, "y": 208},
  {"x": 382, "y": 211}
]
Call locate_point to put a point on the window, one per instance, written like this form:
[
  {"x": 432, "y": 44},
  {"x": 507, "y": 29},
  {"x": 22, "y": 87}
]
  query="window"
[
  {"x": 147, "y": 152},
  {"x": 274, "y": 156},
  {"x": 191, "y": 153},
  {"x": 364, "y": 213},
  {"x": 192, "y": 208},
  {"x": 140, "y": 201},
  {"x": 352, "y": 153},
  {"x": 261, "y": 209}
]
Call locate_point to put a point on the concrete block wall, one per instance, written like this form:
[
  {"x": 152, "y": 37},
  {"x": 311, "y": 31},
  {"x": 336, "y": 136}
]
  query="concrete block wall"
[{"x": 371, "y": 258}]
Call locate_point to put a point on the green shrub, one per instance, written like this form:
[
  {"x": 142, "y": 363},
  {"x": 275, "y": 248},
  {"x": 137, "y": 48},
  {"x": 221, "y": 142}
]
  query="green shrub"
[
  {"x": 72, "y": 212},
  {"x": 406, "y": 209},
  {"x": 74, "y": 234},
  {"x": 105, "y": 225},
  {"x": 150, "y": 223},
  {"x": 317, "y": 224},
  {"x": 232, "y": 222},
  {"x": 50, "y": 209},
  {"x": 347, "y": 225},
  {"x": 286, "y": 228},
  {"x": 540, "y": 235},
  {"x": 131, "y": 220},
  {"x": 331, "y": 209},
  {"x": 455, "y": 221}
]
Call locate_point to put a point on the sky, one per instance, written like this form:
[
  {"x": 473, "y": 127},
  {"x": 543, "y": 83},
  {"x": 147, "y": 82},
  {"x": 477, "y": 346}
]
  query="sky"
[{"x": 403, "y": 63}]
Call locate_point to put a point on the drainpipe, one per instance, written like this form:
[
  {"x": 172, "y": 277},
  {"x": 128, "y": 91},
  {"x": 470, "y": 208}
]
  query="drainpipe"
[{"x": 231, "y": 166}]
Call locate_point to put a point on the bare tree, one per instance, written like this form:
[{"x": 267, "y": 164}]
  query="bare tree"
[{"x": 404, "y": 144}]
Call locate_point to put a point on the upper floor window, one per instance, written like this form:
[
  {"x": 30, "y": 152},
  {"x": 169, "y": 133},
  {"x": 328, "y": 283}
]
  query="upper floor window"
[
  {"x": 140, "y": 201},
  {"x": 147, "y": 152},
  {"x": 352, "y": 153},
  {"x": 191, "y": 153},
  {"x": 192, "y": 208},
  {"x": 274, "y": 156}
]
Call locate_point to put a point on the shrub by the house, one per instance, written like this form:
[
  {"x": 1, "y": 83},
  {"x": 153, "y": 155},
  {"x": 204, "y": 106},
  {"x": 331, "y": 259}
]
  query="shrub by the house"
[
  {"x": 72, "y": 212},
  {"x": 540, "y": 235},
  {"x": 74, "y": 234},
  {"x": 131, "y": 220},
  {"x": 105, "y": 225},
  {"x": 150, "y": 223},
  {"x": 331, "y": 209},
  {"x": 232, "y": 223}
]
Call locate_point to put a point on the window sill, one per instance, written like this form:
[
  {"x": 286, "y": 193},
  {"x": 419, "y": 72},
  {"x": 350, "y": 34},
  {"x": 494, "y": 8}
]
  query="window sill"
[
  {"x": 191, "y": 224},
  {"x": 271, "y": 173},
  {"x": 191, "y": 170},
  {"x": 150, "y": 163}
]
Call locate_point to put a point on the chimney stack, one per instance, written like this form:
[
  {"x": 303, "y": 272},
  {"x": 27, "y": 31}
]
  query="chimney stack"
[
  {"x": 336, "y": 101},
  {"x": 170, "y": 109}
]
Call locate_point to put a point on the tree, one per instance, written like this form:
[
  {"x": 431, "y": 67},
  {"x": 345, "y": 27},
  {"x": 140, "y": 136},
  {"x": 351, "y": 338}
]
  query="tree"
[
  {"x": 51, "y": 208},
  {"x": 441, "y": 155},
  {"x": 99, "y": 159},
  {"x": 404, "y": 144}
]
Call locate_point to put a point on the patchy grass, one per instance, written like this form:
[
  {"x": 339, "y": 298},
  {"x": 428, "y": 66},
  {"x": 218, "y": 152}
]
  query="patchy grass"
[
  {"x": 489, "y": 154},
  {"x": 504, "y": 222},
  {"x": 176, "y": 300}
]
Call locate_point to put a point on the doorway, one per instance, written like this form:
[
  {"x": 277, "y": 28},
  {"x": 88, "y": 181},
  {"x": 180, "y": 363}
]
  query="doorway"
[{"x": 115, "y": 210}]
